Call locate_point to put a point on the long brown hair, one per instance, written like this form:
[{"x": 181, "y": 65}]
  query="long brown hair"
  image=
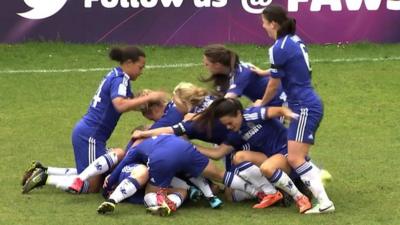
[
  {"x": 219, "y": 108},
  {"x": 220, "y": 54}
]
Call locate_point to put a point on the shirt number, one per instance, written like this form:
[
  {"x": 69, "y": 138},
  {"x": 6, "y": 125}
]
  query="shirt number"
[
  {"x": 96, "y": 97},
  {"x": 305, "y": 54}
]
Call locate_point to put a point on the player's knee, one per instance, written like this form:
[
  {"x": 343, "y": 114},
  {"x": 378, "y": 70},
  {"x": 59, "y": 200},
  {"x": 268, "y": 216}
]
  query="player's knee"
[
  {"x": 140, "y": 173},
  {"x": 294, "y": 161},
  {"x": 267, "y": 169},
  {"x": 238, "y": 158},
  {"x": 120, "y": 153}
]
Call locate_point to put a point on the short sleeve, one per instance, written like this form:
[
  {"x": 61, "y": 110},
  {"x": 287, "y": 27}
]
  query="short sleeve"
[
  {"x": 277, "y": 59},
  {"x": 119, "y": 87},
  {"x": 254, "y": 114},
  {"x": 240, "y": 81},
  {"x": 170, "y": 118}
]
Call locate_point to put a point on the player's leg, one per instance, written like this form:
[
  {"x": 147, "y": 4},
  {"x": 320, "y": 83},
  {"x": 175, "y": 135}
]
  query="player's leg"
[
  {"x": 100, "y": 161},
  {"x": 300, "y": 138},
  {"x": 228, "y": 178},
  {"x": 162, "y": 201},
  {"x": 161, "y": 173},
  {"x": 276, "y": 168},
  {"x": 138, "y": 177},
  {"x": 247, "y": 164},
  {"x": 233, "y": 195},
  {"x": 49, "y": 170},
  {"x": 194, "y": 194},
  {"x": 38, "y": 175}
]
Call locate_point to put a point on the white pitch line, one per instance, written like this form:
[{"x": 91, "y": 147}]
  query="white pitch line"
[
  {"x": 187, "y": 65},
  {"x": 83, "y": 70},
  {"x": 356, "y": 60}
]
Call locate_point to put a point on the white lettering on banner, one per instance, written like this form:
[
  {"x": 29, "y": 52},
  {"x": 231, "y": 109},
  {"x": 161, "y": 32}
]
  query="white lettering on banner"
[
  {"x": 136, "y": 3},
  {"x": 209, "y": 3},
  {"x": 316, "y": 5},
  {"x": 109, "y": 3},
  {"x": 255, "y": 6},
  {"x": 293, "y": 5},
  {"x": 393, "y": 4},
  {"x": 355, "y": 5},
  {"x": 149, "y": 3},
  {"x": 220, "y": 3},
  {"x": 45, "y": 8}
]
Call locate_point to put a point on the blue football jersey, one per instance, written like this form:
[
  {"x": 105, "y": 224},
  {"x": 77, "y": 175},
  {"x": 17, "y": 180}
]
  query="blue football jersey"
[
  {"x": 170, "y": 117},
  {"x": 245, "y": 82},
  {"x": 101, "y": 116},
  {"x": 168, "y": 148},
  {"x": 260, "y": 134},
  {"x": 290, "y": 62},
  {"x": 208, "y": 100}
]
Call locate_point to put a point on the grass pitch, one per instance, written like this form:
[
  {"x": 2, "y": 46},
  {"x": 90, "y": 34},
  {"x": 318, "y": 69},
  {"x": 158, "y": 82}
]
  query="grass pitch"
[{"x": 358, "y": 141}]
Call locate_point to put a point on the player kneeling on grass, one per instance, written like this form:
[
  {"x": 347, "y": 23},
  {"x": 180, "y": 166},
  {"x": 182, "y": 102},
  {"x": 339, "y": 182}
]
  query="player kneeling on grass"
[
  {"x": 112, "y": 98},
  {"x": 266, "y": 136},
  {"x": 131, "y": 180}
]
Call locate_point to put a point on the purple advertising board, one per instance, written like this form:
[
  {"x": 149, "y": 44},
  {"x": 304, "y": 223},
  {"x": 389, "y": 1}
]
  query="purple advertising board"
[{"x": 194, "y": 22}]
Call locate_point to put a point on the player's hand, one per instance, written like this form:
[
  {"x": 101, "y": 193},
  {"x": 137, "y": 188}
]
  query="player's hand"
[
  {"x": 289, "y": 114},
  {"x": 137, "y": 134},
  {"x": 258, "y": 103},
  {"x": 105, "y": 184},
  {"x": 188, "y": 116},
  {"x": 259, "y": 71}
]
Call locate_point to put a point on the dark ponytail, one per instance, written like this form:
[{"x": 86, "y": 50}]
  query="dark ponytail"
[
  {"x": 219, "y": 108},
  {"x": 128, "y": 53},
  {"x": 220, "y": 54},
  {"x": 279, "y": 15},
  {"x": 287, "y": 27},
  {"x": 220, "y": 83}
]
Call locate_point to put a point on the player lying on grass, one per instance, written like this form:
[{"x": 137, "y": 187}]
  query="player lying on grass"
[
  {"x": 130, "y": 188},
  {"x": 167, "y": 156}
]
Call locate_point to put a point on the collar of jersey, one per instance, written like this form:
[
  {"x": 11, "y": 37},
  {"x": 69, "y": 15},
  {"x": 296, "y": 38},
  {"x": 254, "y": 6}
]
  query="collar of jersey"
[{"x": 120, "y": 71}]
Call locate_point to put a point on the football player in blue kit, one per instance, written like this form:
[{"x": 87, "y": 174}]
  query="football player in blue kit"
[
  {"x": 165, "y": 114},
  {"x": 264, "y": 134},
  {"x": 166, "y": 156},
  {"x": 112, "y": 98},
  {"x": 233, "y": 78},
  {"x": 192, "y": 99},
  {"x": 290, "y": 67}
]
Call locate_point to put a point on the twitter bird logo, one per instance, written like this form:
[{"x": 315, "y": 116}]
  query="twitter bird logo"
[{"x": 42, "y": 8}]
